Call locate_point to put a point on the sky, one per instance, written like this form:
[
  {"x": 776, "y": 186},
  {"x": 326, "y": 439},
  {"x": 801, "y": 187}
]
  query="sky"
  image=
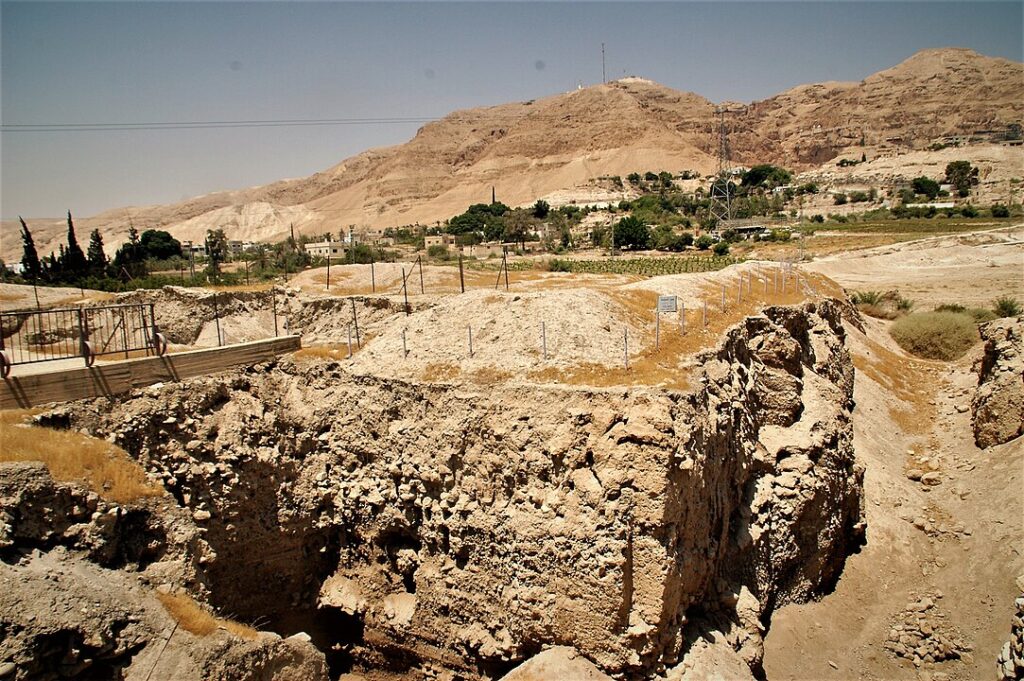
[{"x": 393, "y": 65}]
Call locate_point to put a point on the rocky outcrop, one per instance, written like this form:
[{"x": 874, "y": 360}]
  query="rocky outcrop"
[
  {"x": 998, "y": 404},
  {"x": 77, "y": 597},
  {"x": 1010, "y": 664},
  {"x": 466, "y": 527}
]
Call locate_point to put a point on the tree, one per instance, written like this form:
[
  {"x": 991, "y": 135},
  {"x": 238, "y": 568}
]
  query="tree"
[
  {"x": 704, "y": 242},
  {"x": 1000, "y": 211},
  {"x": 216, "y": 249},
  {"x": 666, "y": 179},
  {"x": 130, "y": 259},
  {"x": 925, "y": 186},
  {"x": 541, "y": 209},
  {"x": 962, "y": 175},
  {"x": 74, "y": 264},
  {"x": 29, "y": 258},
  {"x": 766, "y": 175},
  {"x": 96, "y": 256},
  {"x": 633, "y": 178},
  {"x": 631, "y": 234},
  {"x": 721, "y": 248},
  {"x": 517, "y": 224},
  {"x": 161, "y": 245}
]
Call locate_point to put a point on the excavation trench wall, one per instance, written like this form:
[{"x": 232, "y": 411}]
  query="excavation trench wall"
[{"x": 467, "y": 527}]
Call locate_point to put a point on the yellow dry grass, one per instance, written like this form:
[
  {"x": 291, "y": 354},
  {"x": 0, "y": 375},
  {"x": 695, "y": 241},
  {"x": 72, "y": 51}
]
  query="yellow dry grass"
[
  {"x": 663, "y": 364},
  {"x": 241, "y": 288},
  {"x": 195, "y": 619},
  {"x": 907, "y": 379},
  {"x": 332, "y": 351},
  {"x": 73, "y": 456}
]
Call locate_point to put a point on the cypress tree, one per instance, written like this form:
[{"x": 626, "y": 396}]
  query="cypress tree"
[
  {"x": 29, "y": 258},
  {"x": 74, "y": 262},
  {"x": 97, "y": 257}
]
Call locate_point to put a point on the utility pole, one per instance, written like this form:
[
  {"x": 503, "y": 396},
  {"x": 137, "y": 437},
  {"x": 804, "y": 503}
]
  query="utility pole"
[
  {"x": 720, "y": 206},
  {"x": 493, "y": 195},
  {"x": 604, "y": 78}
]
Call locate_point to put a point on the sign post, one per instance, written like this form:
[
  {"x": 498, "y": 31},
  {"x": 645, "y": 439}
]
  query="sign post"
[{"x": 665, "y": 304}]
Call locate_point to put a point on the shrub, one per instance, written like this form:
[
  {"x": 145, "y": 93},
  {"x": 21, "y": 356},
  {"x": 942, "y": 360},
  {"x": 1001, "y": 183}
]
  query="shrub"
[
  {"x": 950, "y": 307},
  {"x": 839, "y": 199},
  {"x": 969, "y": 211},
  {"x": 980, "y": 315},
  {"x": 1000, "y": 211},
  {"x": 437, "y": 251},
  {"x": 866, "y": 297},
  {"x": 935, "y": 335},
  {"x": 1005, "y": 306},
  {"x": 704, "y": 242},
  {"x": 721, "y": 248}
]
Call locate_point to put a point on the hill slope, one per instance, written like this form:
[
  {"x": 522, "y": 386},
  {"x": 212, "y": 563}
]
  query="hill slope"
[{"x": 531, "y": 149}]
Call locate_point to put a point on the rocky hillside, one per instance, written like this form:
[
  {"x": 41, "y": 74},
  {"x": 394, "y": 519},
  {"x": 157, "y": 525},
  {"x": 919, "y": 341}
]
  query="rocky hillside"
[{"x": 531, "y": 149}]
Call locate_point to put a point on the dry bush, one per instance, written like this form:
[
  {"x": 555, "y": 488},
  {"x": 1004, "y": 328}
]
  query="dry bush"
[
  {"x": 73, "y": 456},
  {"x": 936, "y": 335},
  {"x": 194, "y": 619}
]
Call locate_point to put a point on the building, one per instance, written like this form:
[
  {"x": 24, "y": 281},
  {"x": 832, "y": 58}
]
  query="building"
[
  {"x": 322, "y": 249},
  {"x": 437, "y": 240}
]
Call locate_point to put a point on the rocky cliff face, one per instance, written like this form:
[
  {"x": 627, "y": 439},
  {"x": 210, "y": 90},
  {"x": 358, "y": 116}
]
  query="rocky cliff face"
[
  {"x": 998, "y": 404},
  {"x": 411, "y": 527}
]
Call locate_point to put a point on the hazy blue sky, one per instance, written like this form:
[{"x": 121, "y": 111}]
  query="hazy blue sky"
[{"x": 179, "y": 62}]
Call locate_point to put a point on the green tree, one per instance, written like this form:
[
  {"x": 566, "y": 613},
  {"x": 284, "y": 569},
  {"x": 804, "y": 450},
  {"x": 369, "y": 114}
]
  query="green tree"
[
  {"x": 31, "y": 267},
  {"x": 130, "y": 259},
  {"x": 1000, "y": 211},
  {"x": 161, "y": 245},
  {"x": 632, "y": 234},
  {"x": 541, "y": 209},
  {"x": 962, "y": 175},
  {"x": 925, "y": 186},
  {"x": 74, "y": 264},
  {"x": 721, "y": 248},
  {"x": 96, "y": 256},
  {"x": 766, "y": 175},
  {"x": 665, "y": 178},
  {"x": 704, "y": 242},
  {"x": 216, "y": 250},
  {"x": 517, "y": 226},
  {"x": 633, "y": 179}
]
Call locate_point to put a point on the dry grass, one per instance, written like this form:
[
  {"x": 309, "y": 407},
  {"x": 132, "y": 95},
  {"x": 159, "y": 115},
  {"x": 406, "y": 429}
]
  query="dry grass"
[
  {"x": 73, "y": 456},
  {"x": 241, "y": 288},
  {"x": 936, "y": 335},
  {"x": 195, "y": 619},
  {"x": 906, "y": 379},
  {"x": 333, "y": 351}
]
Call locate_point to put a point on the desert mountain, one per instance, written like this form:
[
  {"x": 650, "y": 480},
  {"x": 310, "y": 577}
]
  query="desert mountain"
[{"x": 529, "y": 150}]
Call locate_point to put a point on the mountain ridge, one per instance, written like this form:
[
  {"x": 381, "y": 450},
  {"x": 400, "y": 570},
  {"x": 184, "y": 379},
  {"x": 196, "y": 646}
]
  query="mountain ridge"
[{"x": 527, "y": 150}]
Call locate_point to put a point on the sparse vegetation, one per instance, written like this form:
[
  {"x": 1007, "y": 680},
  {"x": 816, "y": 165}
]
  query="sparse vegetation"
[
  {"x": 194, "y": 619},
  {"x": 935, "y": 335},
  {"x": 1006, "y": 306},
  {"x": 73, "y": 456}
]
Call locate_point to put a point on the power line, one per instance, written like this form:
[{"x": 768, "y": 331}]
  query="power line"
[{"x": 200, "y": 125}]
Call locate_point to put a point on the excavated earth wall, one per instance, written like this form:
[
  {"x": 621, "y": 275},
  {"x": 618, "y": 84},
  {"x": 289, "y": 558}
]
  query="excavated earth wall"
[
  {"x": 411, "y": 527},
  {"x": 998, "y": 404}
]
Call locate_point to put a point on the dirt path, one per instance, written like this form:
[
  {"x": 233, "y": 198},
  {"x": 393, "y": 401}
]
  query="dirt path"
[{"x": 958, "y": 543}]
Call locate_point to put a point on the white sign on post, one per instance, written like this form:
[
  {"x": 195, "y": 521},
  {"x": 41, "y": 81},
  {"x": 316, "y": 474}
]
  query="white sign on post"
[{"x": 667, "y": 303}]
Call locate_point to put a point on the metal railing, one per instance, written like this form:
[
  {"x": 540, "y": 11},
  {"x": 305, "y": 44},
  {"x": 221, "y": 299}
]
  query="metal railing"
[{"x": 33, "y": 336}]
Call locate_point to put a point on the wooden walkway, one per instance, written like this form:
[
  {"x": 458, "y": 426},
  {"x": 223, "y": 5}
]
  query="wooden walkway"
[{"x": 107, "y": 380}]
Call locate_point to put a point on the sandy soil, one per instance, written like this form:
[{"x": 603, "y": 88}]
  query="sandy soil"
[
  {"x": 969, "y": 269},
  {"x": 960, "y": 542}
]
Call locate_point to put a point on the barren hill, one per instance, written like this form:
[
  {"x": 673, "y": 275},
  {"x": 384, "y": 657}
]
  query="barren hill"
[{"x": 528, "y": 150}]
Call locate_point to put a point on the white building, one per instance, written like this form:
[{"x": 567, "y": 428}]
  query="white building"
[{"x": 322, "y": 249}]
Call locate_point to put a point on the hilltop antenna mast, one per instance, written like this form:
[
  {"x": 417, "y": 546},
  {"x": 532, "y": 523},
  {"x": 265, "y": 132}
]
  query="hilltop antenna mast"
[
  {"x": 604, "y": 78},
  {"x": 720, "y": 206}
]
